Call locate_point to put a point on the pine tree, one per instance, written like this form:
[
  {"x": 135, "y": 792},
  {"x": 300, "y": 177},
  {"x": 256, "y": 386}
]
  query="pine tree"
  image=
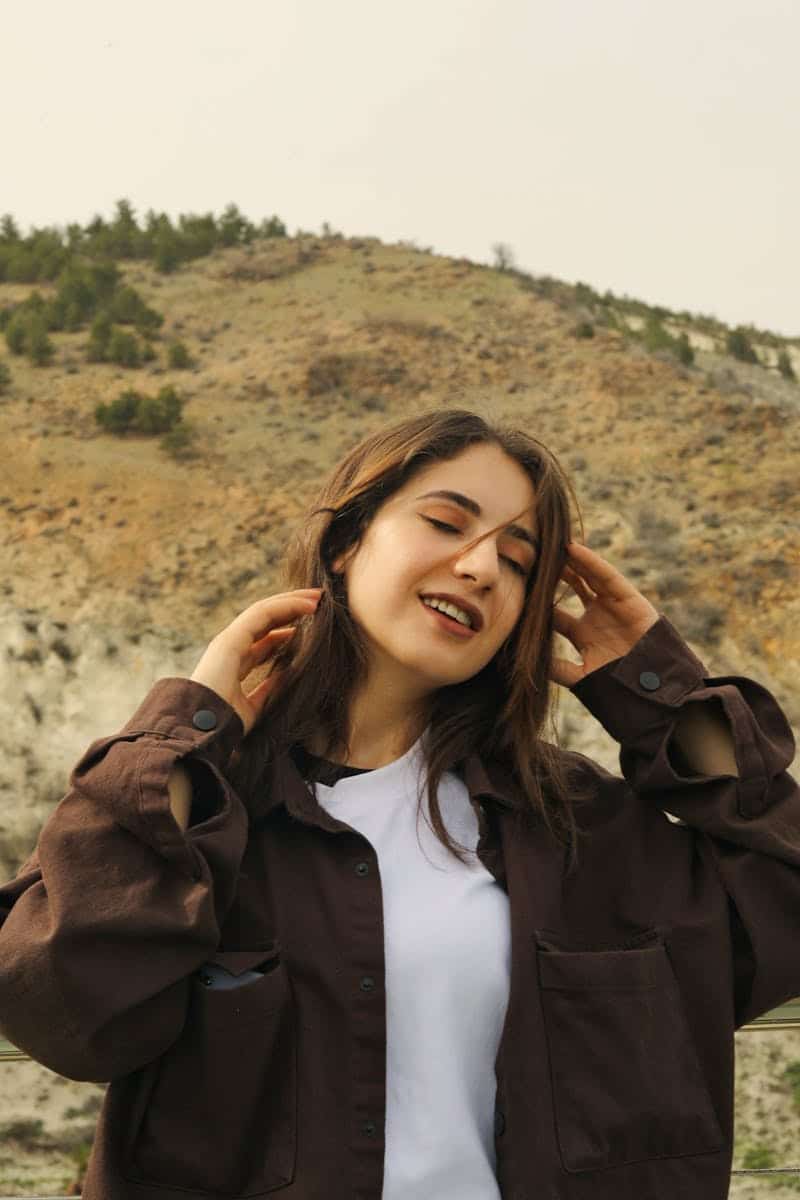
[
  {"x": 166, "y": 251},
  {"x": 125, "y": 232},
  {"x": 9, "y": 230},
  {"x": 685, "y": 351},
  {"x": 123, "y": 348},
  {"x": 99, "y": 337},
  {"x": 17, "y": 333},
  {"x": 785, "y": 365},
  {"x": 38, "y": 345},
  {"x": 738, "y": 344},
  {"x": 178, "y": 356}
]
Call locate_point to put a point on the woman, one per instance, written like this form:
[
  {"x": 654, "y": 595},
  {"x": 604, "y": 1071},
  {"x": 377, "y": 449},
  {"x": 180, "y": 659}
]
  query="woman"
[{"x": 235, "y": 917}]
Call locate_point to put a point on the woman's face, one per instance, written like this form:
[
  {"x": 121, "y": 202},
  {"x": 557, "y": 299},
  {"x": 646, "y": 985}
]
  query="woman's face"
[{"x": 404, "y": 555}]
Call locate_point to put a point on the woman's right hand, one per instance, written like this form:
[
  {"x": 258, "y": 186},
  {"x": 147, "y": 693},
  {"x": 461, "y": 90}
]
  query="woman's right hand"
[{"x": 249, "y": 640}]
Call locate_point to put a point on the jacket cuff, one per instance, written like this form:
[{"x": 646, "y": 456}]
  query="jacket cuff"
[
  {"x": 181, "y": 709},
  {"x": 178, "y": 720},
  {"x": 644, "y": 688}
]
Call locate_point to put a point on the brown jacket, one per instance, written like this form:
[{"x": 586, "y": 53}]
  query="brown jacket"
[{"x": 628, "y": 978}]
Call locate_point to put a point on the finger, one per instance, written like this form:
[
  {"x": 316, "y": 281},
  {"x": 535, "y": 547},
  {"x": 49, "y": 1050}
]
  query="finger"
[
  {"x": 582, "y": 590},
  {"x": 578, "y": 585},
  {"x": 274, "y": 635},
  {"x": 565, "y": 623},
  {"x": 565, "y": 672},
  {"x": 276, "y": 611},
  {"x": 263, "y": 649},
  {"x": 260, "y": 694},
  {"x": 602, "y": 576},
  {"x": 569, "y": 627}
]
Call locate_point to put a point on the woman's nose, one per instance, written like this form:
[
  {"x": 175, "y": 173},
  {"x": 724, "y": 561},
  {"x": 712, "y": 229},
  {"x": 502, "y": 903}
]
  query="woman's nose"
[{"x": 481, "y": 561}]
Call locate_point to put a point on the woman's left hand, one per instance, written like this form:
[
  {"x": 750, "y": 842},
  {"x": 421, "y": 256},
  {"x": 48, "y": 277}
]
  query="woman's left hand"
[{"x": 615, "y": 615}]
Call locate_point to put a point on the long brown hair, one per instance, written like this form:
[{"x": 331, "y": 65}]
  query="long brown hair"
[{"x": 501, "y": 712}]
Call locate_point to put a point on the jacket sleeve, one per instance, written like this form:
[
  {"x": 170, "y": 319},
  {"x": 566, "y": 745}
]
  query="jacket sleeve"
[
  {"x": 750, "y": 823},
  {"x": 117, "y": 906}
]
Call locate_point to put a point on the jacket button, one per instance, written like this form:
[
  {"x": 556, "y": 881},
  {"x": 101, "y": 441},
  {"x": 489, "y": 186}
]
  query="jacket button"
[
  {"x": 499, "y": 1122},
  {"x": 369, "y": 1128},
  {"x": 204, "y": 718},
  {"x": 650, "y": 681},
  {"x": 362, "y": 868},
  {"x": 367, "y": 983}
]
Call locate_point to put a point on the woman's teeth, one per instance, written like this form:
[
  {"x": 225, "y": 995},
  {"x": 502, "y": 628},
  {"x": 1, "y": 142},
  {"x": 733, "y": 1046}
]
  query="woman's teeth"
[{"x": 450, "y": 610}]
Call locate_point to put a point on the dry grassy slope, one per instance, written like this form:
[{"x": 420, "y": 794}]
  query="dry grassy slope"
[
  {"x": 692, "y": 491},
  {"x": 689, "y": 489}
]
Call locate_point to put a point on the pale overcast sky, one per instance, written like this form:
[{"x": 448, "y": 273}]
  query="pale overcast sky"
[{"x": 649, "y": 149}]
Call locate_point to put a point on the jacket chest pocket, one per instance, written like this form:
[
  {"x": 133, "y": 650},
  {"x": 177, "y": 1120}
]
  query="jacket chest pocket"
[
  {"x": 217, "y": 1113},
  {"x": 627, "y": 1083}
]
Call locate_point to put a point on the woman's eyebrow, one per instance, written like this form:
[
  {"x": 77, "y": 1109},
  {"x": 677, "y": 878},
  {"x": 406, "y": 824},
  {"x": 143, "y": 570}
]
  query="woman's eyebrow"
[{"x": 472, "y": 506}]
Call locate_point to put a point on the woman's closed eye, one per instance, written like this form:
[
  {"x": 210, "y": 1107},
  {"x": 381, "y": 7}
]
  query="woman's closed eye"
[{"x": 520, "y": 570}]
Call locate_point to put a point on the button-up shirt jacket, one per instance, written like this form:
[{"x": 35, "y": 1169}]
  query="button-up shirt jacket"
[{"x": 628, "y": 977}]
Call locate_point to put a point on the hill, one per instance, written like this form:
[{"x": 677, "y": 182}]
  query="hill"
[{"x": 120, "y": 558}]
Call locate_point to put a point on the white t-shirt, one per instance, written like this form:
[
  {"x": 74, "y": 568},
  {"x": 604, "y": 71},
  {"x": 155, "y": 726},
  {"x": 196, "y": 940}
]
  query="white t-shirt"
[{"x": 448, "y": 961}]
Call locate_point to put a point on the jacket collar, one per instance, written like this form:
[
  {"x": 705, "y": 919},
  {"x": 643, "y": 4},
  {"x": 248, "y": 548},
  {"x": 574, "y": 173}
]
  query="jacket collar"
[{"x": 286, "y": 787}]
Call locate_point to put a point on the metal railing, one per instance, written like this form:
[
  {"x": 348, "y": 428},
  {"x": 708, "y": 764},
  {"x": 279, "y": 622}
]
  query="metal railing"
[{"x": 785, "y": 1017}]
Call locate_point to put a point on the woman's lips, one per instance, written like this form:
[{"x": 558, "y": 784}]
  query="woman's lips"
[{"x": 448, "y": 625}]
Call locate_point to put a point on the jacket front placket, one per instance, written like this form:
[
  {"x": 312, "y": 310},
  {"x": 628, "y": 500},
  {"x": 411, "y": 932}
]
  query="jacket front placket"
[
  {"x": 528, "y": 863},
  {"x": 343, "y": 871}
]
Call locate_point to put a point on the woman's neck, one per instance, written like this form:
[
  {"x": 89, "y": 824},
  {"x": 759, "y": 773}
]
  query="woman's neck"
[{"x": 374, "y": 743}]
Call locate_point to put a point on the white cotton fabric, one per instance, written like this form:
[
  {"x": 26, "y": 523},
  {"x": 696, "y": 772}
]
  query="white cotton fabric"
[{"x": 448, "y": 961}]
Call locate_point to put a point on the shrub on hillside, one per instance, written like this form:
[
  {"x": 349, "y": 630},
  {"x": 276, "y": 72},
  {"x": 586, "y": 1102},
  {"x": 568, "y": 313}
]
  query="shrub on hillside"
[
  {"x": 503, "y": 256},
  {"x": 327, "y": 373},
  {"x": 132, "y": 411},
  {"x": 107, "y": 343},
  {"x": 166, "y": 251},
  {"x": 178, "y": 442},
  {"x": 785, "y": 365},
  {"x": 44, "y": 254},
  {"x": 119, "y": 415},
  {"x": 83, "y": 288},
  {"x": 9, "y": 230},
  {"x": 123, "y": 348},
  {"x": 791, "y": 1074},
  {"x": 198, "y": 234},
  {"x": 19, "y": 315},
  {"x": 271, "y": 227},
  {"x": 158, "y": 414},
  {"x": 26, "y": 333},
  {"x": 655, "y": 336},
  {"x": 584, "y": 329},
  {"x": 124, "y": 238},
  {"x": 99, "y": 337},
  {"x": 685, "y": 351},
  {"x": 85, "y": 291},
  {"x": 739, "y": 345},
  {"x": 759, "y": 1158},
  {"x": 118, "y": 238},
  {"x": 126, "y": 307},
  {"x": 5, "y": 378},
  {"x": 24, "y": 1130},
  {"x": 16, "y": 333},
  {"x": 235, "y": 228},
  {"x": 39, "y": 257},
  {"x": 658, "y": 339},
  {"x": 38, "y": 345},
  {"x": 178, "y": 357}
]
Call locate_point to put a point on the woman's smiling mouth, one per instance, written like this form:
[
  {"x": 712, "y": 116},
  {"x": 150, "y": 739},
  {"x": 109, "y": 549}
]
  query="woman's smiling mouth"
[{"x": 448, "y": 624}]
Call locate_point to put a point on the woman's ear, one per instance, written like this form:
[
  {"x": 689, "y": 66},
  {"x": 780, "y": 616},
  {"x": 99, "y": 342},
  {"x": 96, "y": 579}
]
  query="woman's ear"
[{"x": 340, "y": 562}]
